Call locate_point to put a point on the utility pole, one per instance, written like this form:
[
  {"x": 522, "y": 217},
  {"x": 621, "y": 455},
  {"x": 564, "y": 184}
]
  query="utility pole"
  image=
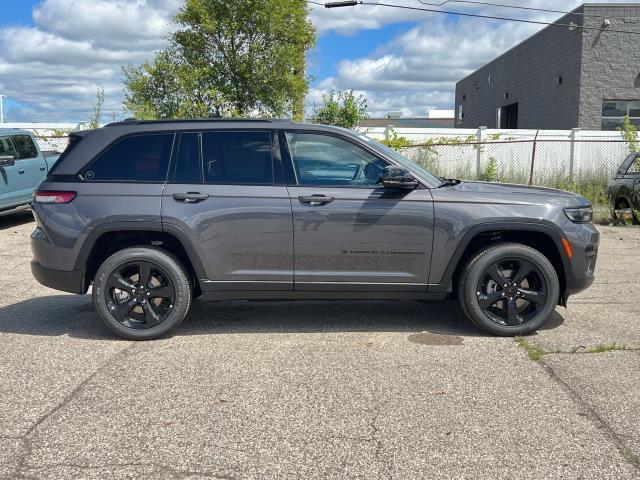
[{"x": 2, "y": 108}]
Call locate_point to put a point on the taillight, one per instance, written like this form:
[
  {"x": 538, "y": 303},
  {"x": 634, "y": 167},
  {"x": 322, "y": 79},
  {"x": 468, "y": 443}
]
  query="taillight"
[{"x": 53, "y": 197}]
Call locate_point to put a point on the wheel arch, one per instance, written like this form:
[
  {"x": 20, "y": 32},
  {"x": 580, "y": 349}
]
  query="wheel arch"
[
  {"x": 621, "y": 197},
  {"x": 112, "y": 237},
  {"x": 540, "y": 236}
]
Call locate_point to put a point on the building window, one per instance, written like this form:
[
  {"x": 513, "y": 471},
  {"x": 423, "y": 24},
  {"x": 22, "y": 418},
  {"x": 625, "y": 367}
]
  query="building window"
[
  {"x": 614, "y": 111},
  {"x": 464, "y": 97},
  {"x": 559, "y": 80},
  {"x": 460, "y": 116}
]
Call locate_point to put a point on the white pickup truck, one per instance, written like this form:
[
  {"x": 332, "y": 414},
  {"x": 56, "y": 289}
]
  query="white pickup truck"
[{"x": 22, "y": 167}]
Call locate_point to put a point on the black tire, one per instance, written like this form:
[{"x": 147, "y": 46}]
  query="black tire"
[
  {"x": 151, "y": 309},
  {"x": 496, "y": 299}
]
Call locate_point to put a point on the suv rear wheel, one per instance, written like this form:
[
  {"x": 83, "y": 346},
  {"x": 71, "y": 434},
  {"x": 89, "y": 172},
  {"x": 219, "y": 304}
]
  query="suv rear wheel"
[
  {"x": 142, "y": 293},
  {"x": 509, "y": 289}
]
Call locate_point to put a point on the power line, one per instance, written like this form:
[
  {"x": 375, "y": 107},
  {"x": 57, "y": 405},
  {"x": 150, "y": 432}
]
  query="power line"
[
  {"x": 519, "y": 7},
  {"x": 489, "y": 17}
]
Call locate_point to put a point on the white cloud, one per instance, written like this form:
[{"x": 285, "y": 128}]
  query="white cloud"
[
  {"x": 418, "y": 69},
  {"x": 77, "y": 46},
  {"x": 54, "y": 68}
]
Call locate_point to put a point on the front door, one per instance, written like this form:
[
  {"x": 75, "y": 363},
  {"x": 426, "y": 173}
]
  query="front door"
[
  {"x": 222, "y": 194},
  {"x": 350, "y": 234},
  {"x": 633, "y": 174},
  {"x": 18, "y": 181}
]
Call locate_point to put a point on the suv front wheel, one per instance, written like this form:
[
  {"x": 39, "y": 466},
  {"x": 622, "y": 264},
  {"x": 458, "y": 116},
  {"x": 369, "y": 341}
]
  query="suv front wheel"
[
  {"x": 142, "y": 293},
  {"x": 509, "y": 289}
]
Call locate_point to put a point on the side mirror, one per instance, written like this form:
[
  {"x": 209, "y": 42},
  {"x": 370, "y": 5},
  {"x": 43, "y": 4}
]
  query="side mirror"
[
  {"x": 7, "y": 160},
  {"x": 398, "y": 178}
]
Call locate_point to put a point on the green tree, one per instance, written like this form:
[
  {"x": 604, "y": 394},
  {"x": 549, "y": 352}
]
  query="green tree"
[
  {"x": 240, "y": 58},
  {"x": 94, "y": 122},
  {"x": 341, "y": 109},
  {"x": 630, "y": 134}
]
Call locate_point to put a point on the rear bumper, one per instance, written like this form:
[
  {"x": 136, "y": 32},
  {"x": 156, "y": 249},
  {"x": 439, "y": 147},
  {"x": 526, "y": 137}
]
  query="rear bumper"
[{"x": 67, "y": 281}]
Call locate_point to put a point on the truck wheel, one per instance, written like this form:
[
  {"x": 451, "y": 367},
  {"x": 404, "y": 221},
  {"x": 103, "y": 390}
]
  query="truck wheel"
[
  {"x": 509, "y": 289},
  {"x": 141, "y": 293}
]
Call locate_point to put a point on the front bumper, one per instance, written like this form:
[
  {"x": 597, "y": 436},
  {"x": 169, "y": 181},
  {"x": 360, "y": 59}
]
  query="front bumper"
[
  {"x": 67, "y": 281},
  {"x": 580, "y": 274}
]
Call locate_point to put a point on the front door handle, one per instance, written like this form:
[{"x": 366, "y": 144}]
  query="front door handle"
[
  {"x": 42, "y": 168},
  {"x": 21, "y": 171},
  {"x": 315, "y": 199},
  {"x": 190, "y": 197}
]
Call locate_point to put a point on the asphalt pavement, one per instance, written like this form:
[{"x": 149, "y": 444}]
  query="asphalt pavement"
[{"x": 305, "y": 390}]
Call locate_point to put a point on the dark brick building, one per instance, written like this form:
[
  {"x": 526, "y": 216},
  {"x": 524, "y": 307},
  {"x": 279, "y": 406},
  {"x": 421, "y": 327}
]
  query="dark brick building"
[{"x": 561, "y": 77}]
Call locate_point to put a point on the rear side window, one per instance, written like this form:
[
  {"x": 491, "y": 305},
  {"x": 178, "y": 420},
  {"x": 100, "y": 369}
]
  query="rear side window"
[
  {"x": 137, "y": 158},
  {"x": 25, "y": 148},
  {"x": 237, "y": 158}
]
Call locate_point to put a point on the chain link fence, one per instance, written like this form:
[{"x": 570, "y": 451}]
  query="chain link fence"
[
  {"x": 54, "y": 144},
  {"x": 583, "y": 166}
]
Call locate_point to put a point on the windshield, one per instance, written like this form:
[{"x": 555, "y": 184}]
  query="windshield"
[{"x": 425, "y": 175}]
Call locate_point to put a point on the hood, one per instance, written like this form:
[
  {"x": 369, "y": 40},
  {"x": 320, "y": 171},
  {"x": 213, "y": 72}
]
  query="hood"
[{"x": 512, "y": 194}]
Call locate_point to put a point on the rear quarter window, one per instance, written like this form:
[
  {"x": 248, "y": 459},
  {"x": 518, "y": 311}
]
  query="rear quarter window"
[{"x": 136, "y": 158}]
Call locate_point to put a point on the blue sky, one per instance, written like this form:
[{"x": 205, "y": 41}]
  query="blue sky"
[{"x": 55, "y": 54}]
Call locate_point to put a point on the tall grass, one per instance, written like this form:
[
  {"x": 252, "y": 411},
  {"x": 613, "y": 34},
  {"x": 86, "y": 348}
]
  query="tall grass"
[{"x": 590, "y": 183}]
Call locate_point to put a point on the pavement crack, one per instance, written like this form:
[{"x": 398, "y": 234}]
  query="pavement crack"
[
  {"x": 27, "y": 446},
  {"x": 175, "y": 472},
  {"x": 595, "y": 417},
  {"x": 375, "y": 438}
]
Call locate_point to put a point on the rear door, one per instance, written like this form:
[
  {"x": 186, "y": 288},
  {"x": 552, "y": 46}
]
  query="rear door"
[
  {"x": 350, "y": 234},
  {"x": 226, "y": 194}
]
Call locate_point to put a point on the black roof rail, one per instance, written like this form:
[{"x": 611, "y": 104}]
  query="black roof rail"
[{"x": 135, "y": 121}]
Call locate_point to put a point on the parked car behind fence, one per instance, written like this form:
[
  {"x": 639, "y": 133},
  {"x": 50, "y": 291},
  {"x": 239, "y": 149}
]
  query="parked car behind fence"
[{"x": 624, "y": 190}]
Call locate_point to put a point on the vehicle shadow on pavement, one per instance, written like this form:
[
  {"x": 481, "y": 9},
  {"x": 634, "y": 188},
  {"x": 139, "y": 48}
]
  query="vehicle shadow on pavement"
[
  {"x": 16, "y": 219},
  {"x": 74, "y": 315}
]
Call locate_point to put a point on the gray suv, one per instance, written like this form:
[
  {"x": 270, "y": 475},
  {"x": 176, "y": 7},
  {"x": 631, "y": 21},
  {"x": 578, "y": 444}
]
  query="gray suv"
[{"x": 153, "y": 214}]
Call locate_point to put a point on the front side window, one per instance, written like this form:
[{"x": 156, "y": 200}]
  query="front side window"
[
  {"x": 331, "y": 161},
  {"x": 137, "y": 158},
  {"x": 7, "y": 148},
  {"x": 25, "y": 148},
  {"x": 237, "y": 158},
  {"x": 634, "y": 168}
]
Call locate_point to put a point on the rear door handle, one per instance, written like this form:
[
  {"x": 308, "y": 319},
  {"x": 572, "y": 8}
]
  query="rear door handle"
[
  {"x": 190, "y": 197},
  {"x": 21, "y": 171},
  {"x": 315, "y": 199}
]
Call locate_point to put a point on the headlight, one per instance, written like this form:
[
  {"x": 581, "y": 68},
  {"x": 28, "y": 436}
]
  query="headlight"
[{"x": 579, "y": 215}]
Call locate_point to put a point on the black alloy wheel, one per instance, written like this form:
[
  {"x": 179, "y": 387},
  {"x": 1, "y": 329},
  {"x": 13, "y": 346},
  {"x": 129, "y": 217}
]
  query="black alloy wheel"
[
  {"x": 512, "y": 291},
  {"x": 140, "y": 295},
  {"x": 509, "y": 289}
]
